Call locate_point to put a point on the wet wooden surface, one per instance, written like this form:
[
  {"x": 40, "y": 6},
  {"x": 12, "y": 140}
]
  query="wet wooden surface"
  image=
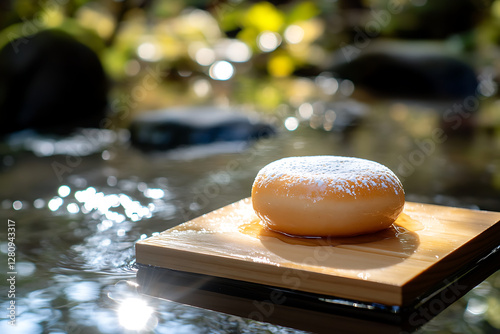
[{"x": 427, "y": 244}]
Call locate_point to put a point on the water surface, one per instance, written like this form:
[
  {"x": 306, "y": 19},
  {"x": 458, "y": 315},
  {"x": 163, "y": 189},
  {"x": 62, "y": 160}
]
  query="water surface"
[{"x": 78, "y": 215}]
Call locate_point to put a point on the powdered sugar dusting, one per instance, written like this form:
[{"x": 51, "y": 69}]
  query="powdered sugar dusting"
[{"x": 342, "y": 176}]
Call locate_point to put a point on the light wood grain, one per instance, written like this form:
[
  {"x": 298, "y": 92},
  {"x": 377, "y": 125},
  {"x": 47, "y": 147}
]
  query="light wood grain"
[{"x": 427, "y": 244}]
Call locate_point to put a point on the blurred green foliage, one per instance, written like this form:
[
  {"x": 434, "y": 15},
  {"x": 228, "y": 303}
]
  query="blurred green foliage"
[{"x": 285, "y": 40}]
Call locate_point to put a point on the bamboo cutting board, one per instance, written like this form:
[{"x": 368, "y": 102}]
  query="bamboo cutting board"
[{"x": 426, "y": 245}]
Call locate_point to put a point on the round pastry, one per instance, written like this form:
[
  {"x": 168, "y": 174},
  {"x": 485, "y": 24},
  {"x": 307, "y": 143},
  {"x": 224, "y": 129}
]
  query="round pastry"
[{"x": 327, "y": 196}]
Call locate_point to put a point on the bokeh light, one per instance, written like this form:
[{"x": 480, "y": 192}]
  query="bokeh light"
[
  {"x": 132, "y": 67},
  {"x": 17, "y": 205},
  {"x": 330, "y": 117},
  {"x": 25, "y": 268},
  {"x": 148, "y": 51},
  {"x": 328, "y": 84},
  {"x": 291, "y": 123},
  {"x": 237, "y": 51},
  {"x": 134, "y": 314},
  {"x": 346, "y": 87},
  {"x": 306, "y": 110},
  {"x": 205, "y": 56},
  {"x": 294, "y": 34},
  {"x": 476, "y": 306},
  {"x": 55, "y": 203},
  {"x": 202, "y": 87},
  {"x": 39, "y": 203},
  {"x": 73, "y": 208},
  {"x": 64, "y": 191},
  {"x": 154, "y": 193},
  {"x": 268, "y": 41},
  {"x": 221, "y": 70},
  {"x": 83, "y": 291}
]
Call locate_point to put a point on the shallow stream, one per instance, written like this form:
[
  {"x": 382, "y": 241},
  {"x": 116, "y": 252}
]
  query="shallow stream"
[{"x": 78, "y": 213}]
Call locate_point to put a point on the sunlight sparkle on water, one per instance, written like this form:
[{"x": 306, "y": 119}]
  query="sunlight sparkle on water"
[
  {"x": 154, "y": 193},
  {"x": 39, "y": 203},
  {"x": 64, "y": 191},
  {"x": 134, "y": 314},
  {"x": 476, "y": 306},
  {"x": 17, "y": 205},
  {"x": 73, "y": 208},
  {"x": 93, "y": 200},
  {"x": 55, "y": 203}
]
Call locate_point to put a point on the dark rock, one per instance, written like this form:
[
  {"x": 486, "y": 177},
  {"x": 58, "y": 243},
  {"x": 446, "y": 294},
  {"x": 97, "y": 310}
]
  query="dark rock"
[
  {"x": 439, "y": 19},
  {"x": 169, "y": 129},
  {"x": 338, "y": 116},
  {"x": 424, "y": 76},
  {"x": 50, "y": 82}
]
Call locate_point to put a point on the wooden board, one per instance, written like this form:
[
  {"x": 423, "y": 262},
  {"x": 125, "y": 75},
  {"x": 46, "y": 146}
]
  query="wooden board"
[
  {"x": 307, "y": 311},
  {"x": 426, "y": 245}
]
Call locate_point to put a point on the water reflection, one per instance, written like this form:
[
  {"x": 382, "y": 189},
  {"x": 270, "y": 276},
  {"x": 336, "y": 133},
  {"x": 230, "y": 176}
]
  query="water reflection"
[
  {"x": 25, "y": 268},
  {"x": 134, "y": 314},
  {"x": 55, "y": 203},
  {"x": 77, "y": 235},
  {"x": 64, "y": 191},
  {"x": 82, "y": 291},
  {"x": 17, "y": 205},
  {"x": 83, "y": 142}
]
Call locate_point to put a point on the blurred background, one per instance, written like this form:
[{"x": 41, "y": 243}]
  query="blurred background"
[
  {"x": 254, "y": 53},
  {"x": 120, "y": 119}
]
